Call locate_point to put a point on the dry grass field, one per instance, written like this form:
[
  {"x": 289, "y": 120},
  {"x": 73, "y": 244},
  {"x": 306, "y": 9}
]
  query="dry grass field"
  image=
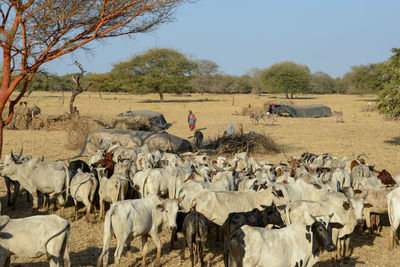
[{"x": 361, "y": 132}]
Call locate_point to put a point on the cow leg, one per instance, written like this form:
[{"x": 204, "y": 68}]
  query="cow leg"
[
  {"x": 183, "y": 249},
  {"x": 144, "y": 238},
  {"x": 54, "y": 261},
  {"x": 347, "y": 247},
  {"x": 391, "y": 240},
  {"x": 88, "y": 206},
  {"x": 378, "y": 224},
  {"x": 35, "y": 202},
  {"x": 7, "y": 181},
  {"x": 157, "y": 241},
  {"x": 15, "y": 195},
  {"x": 76, "y": 210},
  {"x": 101, "y": 209},
  {"x": 128, "y": 241},
  {"x": 200, "y": 253},
  {"x": 190, "y": 244},
  {"x": 174, "y": 237},
  {"x": 120, "y": 247}
]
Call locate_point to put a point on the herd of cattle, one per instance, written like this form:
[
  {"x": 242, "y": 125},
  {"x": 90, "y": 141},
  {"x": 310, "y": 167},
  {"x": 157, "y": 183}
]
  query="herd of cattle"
[{"x": 265, "y": 214}]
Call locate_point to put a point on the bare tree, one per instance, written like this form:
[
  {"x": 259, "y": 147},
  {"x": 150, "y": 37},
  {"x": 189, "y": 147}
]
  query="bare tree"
[
  {"x": 33, "y": 32},
  {"x": 78, "y": 88}
]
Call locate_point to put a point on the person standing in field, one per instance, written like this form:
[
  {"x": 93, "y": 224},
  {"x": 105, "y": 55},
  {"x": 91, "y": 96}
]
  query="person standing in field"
[{"x": 191, "y": 120}]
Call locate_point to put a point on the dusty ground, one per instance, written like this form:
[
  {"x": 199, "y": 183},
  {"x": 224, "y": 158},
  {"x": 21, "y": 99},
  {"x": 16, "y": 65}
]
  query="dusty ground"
[{"x": 361, "y": 132}]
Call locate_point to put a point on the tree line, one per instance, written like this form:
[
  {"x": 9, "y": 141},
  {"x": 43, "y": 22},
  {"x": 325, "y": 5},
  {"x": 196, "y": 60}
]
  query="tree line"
[{"x": 165, "y": 70}]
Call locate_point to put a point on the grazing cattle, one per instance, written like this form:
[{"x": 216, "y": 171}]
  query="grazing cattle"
[
  {"x": 33, "y": 237},
  {"x": 216, "y": 205},
  {"x": 269, "y": 215},
  {"x": 374, "y": 205},
  {"x": 36, "y": 176},
  {"x": 385, "y": 177},
  {"x": 295, "y": 245},
  {"x": 130, "y": 218},
  {"x": 195, "y": 229},
  {"x": 301, "y": 190},
  {"x": 393, "y": 201},
  {"x": 75, "y": 165},
  {"x": 198, "y": 139},
  {"x": 83, "y": 187},
  {"x": 107, "y": 163}
]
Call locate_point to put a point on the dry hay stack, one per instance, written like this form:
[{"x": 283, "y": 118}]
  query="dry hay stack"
[
  {"x": 239, "y": 142},
  {"x": 23, "y": 116}
]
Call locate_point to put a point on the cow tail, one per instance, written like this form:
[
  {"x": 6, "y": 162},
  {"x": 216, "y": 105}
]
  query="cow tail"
[
  {"x": 287, "y": 211},
  {"x": 227, "y": 249},
  {"x": 108, "y": 233},
  {"x": 66, "y": 229},
  {"x": 143, "y": 187},
  {"x": 67, "y": 184}
]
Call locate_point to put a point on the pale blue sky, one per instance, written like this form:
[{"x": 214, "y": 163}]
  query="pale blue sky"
[{"x": 329, "y": 36}]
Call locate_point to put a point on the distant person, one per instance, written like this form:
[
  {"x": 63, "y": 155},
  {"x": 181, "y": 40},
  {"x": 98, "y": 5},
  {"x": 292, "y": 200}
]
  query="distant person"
[
  {"x": 271, "y": 108},
  {"x": 191, "y": 120}
]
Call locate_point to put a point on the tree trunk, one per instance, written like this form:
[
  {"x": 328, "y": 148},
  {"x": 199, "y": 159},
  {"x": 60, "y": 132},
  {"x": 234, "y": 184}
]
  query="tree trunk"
[
  {"x": 1, "y": 133},
  {"x": 291, "y": 95},
  {"x": 71, "y": 103},
  {"x": 161, "y": 96},
  {"x": 287, "y": 94}
]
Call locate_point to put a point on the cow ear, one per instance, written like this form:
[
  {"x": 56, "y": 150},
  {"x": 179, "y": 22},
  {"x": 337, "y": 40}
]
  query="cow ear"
[
  {"x": 346, "y": 205},
  {"x": 313, "y": 217},
  {"x": 160, "y": 207},
  {"x": 367, "y": 205},
  {"x": 331, "y": 215},
  {"x": 336, "y": 225}
]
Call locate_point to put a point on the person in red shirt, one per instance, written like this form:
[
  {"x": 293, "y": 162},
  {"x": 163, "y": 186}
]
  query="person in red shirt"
[{"x": 191, "y": 120}]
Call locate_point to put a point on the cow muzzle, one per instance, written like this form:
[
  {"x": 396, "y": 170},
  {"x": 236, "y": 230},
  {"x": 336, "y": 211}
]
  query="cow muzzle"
[{"x": 331, "y": 247}]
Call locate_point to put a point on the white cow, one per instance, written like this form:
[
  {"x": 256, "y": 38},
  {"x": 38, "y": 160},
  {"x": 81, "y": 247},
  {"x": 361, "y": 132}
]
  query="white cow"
[
  {"x": 130, "y": 218},
  {"x": 295, "y": 245},
  {"x": 393, "y": 201},
  {"x": 83, "y": 187},
  {"x": 33, "y": 237},
  {"x": 37, "y": 176},
  {"x": 216, "y": 205}
]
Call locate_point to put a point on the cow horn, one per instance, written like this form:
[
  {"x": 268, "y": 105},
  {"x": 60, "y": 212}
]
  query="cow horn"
[
  {"x": 20, "y": 153},
  {"x": 13, "y": 157},
  {"x": 362, "y": 154},
  {"x": 365, "y": 196}
]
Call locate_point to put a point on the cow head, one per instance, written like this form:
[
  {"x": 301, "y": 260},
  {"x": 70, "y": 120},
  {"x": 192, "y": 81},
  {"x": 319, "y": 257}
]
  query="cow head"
[
  {"x": 321, "y": 234},
  {"x": 10, "y": 165},
  {"x": 169, "y": 209},
  {"x": 271, "y": 215},
  {"x": 357, "y": 206}
]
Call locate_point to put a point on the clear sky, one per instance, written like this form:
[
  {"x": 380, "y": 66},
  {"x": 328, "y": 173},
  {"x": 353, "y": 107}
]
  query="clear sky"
[{"x": 329, "y": 36}]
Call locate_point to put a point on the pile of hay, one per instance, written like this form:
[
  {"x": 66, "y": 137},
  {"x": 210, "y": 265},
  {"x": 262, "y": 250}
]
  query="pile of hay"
[
  {"x": 24, "y": 115},
  {"x": 239, "y": 142}
]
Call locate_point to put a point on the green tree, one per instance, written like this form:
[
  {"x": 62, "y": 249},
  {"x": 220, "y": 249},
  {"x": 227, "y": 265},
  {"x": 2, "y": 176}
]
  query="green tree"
[
  {"x": 203, "y": 75},
  {"x": 388, "y": 101},
  {"x": 322, "y": 83},
  {"x": 159, "y": 70},
  {"x": 256, "y": 81},
  {"x": 365, "y": 79},
  {"x": 287, "y": 77}
]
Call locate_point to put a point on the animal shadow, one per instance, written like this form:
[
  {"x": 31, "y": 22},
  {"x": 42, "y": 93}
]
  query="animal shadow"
[{"x": 394, "y": 141}]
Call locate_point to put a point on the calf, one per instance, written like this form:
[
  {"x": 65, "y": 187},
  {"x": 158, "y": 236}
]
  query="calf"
[
  {"x": 83, "y": 187},
  {"x": 198, "y": 139},
  {"x": 269, "y": 215},
  {"x": 295, "y": 245},
  {"x": 130, "y": 218},
  {"x": 48, "y": 236},
  {"x": 195, "y": 230}
]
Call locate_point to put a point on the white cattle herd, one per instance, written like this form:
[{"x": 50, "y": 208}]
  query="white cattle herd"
[{"x": 319, "y": 200}]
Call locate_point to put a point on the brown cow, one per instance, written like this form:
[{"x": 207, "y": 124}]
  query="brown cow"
[{"x": 385, "y": 177}]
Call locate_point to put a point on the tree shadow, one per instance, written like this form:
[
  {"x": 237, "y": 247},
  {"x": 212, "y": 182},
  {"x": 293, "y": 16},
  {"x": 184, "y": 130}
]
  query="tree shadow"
[
  {"x": 367, "y": 100},
  {"x": 180, "y": 100},
  {"x": 299, "y": 98},
  {"x": 395, "y": 141}
]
